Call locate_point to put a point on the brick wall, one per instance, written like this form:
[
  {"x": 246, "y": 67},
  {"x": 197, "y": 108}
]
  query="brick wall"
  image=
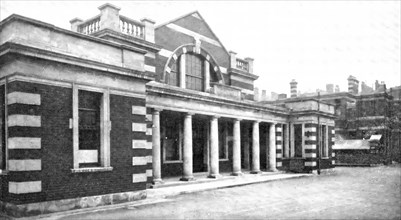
[{"x": 56, "y": 147}]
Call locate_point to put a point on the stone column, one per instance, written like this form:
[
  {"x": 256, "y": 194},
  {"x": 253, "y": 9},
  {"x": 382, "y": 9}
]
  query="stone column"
[
  {"x": 272, "y": 148},
  {"x": 255, "y": 148},
  {"x": 207, "y": 75},
  {"x": 214, "y": 148},
  {"x": 286, "y": 141},
  {"x": 236, "y": 148},
  {"x": 182, "y": 70},
  {"x": 156, "y": 155},
  {"x": 187, "y": 157}
]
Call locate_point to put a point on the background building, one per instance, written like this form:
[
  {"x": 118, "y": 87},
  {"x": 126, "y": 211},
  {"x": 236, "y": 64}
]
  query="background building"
[{"x": 362, "y": 114}]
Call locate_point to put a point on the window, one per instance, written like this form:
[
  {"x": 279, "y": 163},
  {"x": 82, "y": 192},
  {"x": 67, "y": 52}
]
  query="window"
[
  {"x": 89, "y": 104},
  {"x": 194, "y": 72},
  {"x": 171, "y": 130},
  {"x": 91, "y": 128}
]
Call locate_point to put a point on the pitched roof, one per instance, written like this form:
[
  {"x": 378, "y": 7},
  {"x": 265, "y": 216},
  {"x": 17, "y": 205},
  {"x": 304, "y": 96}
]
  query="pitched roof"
[
  {"x": 351, "y": 145},
  {"x": 198, "y": 15}
]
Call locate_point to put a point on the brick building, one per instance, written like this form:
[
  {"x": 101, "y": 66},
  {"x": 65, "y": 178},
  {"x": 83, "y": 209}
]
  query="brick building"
[
  {"x": 362, "y": 114},
  {"x": 95, "y": 115}
]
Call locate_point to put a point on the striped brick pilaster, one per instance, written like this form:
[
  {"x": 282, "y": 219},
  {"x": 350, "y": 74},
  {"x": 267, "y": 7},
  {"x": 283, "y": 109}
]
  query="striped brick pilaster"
[
  {"x": 332, "y": 155},
  {"x": 310, "y": 134},
  {"x": 24, "y": 142},
  {"x": 141, "y": 152},
  {"x": 149, "y": 169},
  {"x": 279, "y": 145}
]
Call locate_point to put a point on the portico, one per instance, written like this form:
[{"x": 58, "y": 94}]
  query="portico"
[{"x": 185, "y": 140}]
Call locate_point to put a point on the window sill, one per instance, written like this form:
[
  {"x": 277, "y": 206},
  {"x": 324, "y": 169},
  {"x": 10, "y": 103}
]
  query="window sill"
[
  {"x": 325, "y": 158},
  {"x": 224, "y": 159},
  {"x": 172, "y": 161},
  {"x": 3, "y": 172},
  {"x": 91, "y": 169}
]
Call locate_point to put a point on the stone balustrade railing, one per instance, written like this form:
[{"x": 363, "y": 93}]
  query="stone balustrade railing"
[
  {"x": 110, "y": 19},
  {"x": 90, "y": 26},
  {"x": 132, "y": 27},
  {"x": 242, "y": 64}
]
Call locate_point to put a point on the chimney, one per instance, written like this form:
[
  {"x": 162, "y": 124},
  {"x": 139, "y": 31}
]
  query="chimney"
[
  {"x": 353, "y": 85},
  {"x": 293, "y": 85},
  {"x": 377, "y": 85},
  {"x": 337, "y": 88},
  {"x": 264, "y": 97},
  {"x": 282, "y": 96},
  {"x": 329, "y": 88}
]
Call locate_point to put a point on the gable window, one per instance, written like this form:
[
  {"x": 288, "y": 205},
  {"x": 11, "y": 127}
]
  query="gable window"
[
  {"x": 91, "y": 128},
  {"x": 194, "y": 72}
]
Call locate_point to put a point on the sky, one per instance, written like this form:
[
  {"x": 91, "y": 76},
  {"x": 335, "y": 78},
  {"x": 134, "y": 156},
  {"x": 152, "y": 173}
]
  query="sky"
[{"x": 313, "y": 42}]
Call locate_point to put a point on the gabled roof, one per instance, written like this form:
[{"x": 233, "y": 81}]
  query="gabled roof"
[{"x": 198, "y": 15}]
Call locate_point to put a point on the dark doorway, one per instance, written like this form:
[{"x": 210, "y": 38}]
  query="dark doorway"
[
  {"x": 298, "y": 140},
  {"x": 199, "y": 140}
]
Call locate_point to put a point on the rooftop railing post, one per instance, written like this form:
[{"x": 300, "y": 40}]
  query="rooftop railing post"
[
  {"x": 149, "y": 29},
  {"x": 109, "y": 17},
  {"x": 250, "y": 64},
  {"x": 75, "y": 24},
  {"x": 233, "y": 59}
]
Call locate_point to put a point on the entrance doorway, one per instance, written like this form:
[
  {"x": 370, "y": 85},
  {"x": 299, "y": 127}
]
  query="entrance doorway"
[{"x": 199, "y": 143}]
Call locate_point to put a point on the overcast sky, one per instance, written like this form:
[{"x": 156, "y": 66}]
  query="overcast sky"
[{"x": 314, "y": 42}]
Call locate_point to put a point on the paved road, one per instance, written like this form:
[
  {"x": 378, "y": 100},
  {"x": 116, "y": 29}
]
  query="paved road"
[{"x": 349, "y": 193}]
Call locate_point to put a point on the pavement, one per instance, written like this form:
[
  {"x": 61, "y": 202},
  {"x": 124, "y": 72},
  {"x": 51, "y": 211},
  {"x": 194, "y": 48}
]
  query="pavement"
[
  {"x": 345, "y": 193},
  {"x": 173, "y": 187}
]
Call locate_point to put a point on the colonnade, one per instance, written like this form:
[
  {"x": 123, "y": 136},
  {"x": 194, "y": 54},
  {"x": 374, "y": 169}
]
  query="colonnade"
[{"x": 214, "y": 148}]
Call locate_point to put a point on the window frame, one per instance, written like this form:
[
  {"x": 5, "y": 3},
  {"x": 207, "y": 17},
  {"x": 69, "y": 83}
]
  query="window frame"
[{"x": 105, "y": 128}]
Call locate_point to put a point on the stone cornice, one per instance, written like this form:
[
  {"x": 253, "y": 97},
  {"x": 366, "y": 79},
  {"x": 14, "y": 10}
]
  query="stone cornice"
[
  {"x": 241, "y": 73},
  {"x": 312, "y": 113},
  {"x": 21, "y": 49},
  {"x": 129, "y": 40},
  {"x": 166, "y": 90},
  {"x": 15, "y": 17}
]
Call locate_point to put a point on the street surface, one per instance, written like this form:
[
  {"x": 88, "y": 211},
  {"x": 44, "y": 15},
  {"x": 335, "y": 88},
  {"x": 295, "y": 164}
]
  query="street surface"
[{"x": 348, "y": 193}]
